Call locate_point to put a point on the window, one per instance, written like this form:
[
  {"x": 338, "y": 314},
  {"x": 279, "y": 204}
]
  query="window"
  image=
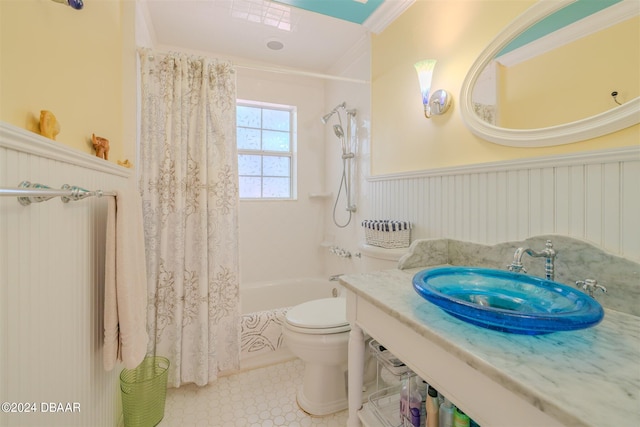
[{"x": 266, "y": 140}]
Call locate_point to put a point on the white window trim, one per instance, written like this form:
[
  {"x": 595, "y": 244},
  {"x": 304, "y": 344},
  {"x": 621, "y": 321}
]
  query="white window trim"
[{"x": 292, "y": 153}]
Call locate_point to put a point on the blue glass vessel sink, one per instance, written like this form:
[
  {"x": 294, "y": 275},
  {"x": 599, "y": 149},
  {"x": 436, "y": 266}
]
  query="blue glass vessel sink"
[{"x": 508, "y": 302}]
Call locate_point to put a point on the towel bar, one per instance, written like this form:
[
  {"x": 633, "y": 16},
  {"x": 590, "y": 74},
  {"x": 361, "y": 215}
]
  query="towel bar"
[{"x": 28, "y": 193}]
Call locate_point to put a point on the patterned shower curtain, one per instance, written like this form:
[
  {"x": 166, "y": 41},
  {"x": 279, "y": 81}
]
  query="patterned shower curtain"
[{"x": 189, "y": 185}]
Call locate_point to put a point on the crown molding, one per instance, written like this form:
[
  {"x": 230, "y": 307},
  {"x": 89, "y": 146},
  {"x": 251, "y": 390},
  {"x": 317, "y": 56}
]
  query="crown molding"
[{"x": 385, "y": 14}]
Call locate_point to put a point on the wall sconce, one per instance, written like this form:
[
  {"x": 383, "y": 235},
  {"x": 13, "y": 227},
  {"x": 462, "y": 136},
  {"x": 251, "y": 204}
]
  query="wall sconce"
[{"x": 440, "y": 101}]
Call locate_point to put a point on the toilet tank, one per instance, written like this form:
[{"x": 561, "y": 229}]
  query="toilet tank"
[{"x": 375, "y": 258}]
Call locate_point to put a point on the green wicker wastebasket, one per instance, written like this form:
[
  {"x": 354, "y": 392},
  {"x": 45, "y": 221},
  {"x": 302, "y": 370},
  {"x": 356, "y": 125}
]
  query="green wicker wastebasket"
[{"x": 144, "y": 390}]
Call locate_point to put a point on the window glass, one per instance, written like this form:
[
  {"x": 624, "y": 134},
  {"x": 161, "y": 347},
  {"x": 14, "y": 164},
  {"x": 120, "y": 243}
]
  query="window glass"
[
  {"x": 265, "y": 138},
  {"x": 276, "y": 120},
  {"x": 276, "y": 166},
  {"x": 250, "y": 188},
  {"x": 248, "y": 139},
  {"x": 248, "y": 116},
  {"x": 249, "y": 165},
  {"x": 276, "y": 187},
  {"x": 275, "y": 141}
]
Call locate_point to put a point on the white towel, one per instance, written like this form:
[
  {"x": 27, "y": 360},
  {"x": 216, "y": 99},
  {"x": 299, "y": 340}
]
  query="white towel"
[{"x": 125, "y": 288}]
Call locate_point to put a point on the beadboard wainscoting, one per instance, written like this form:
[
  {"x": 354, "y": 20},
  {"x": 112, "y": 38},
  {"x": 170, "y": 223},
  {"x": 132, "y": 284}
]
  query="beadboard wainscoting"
[
  {"x": 594, "y": 196},
  {"x": 52, "y": 287}
]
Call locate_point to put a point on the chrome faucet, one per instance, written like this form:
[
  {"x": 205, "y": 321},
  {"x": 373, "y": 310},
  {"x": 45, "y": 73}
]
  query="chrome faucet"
[
  {"x": 343, "y": 253},
  {"x": 590, "y": 286},
  {"x": 548, "y": 253}
]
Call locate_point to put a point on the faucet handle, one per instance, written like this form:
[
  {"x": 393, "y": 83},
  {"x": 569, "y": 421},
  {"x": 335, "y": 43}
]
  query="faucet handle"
[
  {"x": 516, "y": 268},
  {"x": 590, "y": 286}
]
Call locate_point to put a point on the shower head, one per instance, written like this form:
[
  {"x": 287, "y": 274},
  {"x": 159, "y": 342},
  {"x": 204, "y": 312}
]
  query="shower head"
[
  {"x": 326, "y": 117},
  {"x": 337, "y": 129}
]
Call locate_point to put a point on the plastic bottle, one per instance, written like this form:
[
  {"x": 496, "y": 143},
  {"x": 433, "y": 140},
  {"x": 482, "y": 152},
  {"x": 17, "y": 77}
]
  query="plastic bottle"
[
  {"x": 460, "y": 419},
  {"x": 445, "y": 415},
  {"x": 404, "y": 399},
  {"x": 432, "y": 407},
  {"x": 415, "y": 402},
  {"x": 422, "y": 389}
]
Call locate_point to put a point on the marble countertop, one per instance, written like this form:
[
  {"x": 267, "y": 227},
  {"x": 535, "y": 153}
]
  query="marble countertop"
[{"x": 589, "y": 377}]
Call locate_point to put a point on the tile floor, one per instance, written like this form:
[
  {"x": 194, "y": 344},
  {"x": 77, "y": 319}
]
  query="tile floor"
[{"x": 261, "y": 397}]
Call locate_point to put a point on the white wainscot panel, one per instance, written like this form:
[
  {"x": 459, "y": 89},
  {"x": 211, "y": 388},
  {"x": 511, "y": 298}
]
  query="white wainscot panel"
[
  {"x": 52, "y": 286},
  {"x": 593, "y": 196}
]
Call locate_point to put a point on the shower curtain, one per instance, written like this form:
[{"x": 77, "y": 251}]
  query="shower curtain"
[{"x": 189, "y": 185}]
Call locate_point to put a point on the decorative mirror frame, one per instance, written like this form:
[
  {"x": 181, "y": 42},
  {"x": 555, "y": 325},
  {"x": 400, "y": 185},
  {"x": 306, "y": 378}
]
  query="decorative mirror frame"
[{"x": 615, "y": 119}]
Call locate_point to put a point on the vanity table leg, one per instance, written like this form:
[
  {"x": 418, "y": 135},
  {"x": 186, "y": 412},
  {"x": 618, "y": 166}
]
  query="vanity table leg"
[{"x": 356, "y": 370}]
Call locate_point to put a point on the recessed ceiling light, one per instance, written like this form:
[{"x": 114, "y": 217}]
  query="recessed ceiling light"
[{"x": 274, "y": 44}]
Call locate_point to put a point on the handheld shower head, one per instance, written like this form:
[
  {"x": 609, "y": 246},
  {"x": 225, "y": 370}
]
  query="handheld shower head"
[{"x": 337, "y": 129}]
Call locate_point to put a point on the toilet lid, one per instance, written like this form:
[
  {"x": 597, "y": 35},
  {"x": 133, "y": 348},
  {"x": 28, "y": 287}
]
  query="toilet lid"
[{"x": 319, "y": 314}]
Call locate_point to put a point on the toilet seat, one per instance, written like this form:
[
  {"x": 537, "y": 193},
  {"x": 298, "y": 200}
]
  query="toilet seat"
[{"x": 322, "y": 316}]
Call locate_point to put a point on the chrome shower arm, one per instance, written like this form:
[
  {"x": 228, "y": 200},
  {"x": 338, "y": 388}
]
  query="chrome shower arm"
[{"x": 327, "y": 116}]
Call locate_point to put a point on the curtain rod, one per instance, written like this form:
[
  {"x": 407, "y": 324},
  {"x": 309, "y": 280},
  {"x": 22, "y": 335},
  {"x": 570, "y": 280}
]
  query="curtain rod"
[
  {"x": 300, "y": 73},
  {"x": 269, "y": 69}
]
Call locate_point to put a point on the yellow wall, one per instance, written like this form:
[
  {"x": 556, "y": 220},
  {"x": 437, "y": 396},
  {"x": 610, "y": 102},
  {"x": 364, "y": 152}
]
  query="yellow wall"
[
  {"x": 78, "y": 64},
  {"x": 454, "y": 32}
]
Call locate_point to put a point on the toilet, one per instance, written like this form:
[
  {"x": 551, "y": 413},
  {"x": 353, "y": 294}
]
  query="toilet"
[{"x": 317, "y": 332}]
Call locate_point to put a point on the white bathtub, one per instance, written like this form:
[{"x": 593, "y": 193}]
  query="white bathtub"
[{"x": 263, "y": 306}]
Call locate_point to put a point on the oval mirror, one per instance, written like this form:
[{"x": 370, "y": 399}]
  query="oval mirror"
[{"x": 509, "y": 96}]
